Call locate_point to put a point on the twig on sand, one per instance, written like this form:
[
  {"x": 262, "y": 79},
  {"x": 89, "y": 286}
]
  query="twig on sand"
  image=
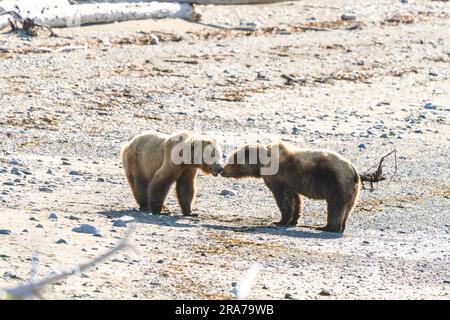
[
  {"x": 378, "y": 175},
  {"x": 33, "y": 289}
]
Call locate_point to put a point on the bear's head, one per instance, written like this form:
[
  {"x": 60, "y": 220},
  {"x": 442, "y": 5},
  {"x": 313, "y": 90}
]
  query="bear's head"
[
  {"x": 245, "y": 162},
  {"x": 197, "y": 151},
  {"x": 210, "y": 155}
]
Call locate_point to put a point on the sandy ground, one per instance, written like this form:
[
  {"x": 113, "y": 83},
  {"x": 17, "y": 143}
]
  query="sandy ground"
[{"x": 382, "y": 80}]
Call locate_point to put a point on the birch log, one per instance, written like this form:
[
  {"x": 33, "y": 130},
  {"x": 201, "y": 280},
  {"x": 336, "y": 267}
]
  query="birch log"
[
  {"x": 217, "y": 2},
  {"x": 65, "y": 15}
]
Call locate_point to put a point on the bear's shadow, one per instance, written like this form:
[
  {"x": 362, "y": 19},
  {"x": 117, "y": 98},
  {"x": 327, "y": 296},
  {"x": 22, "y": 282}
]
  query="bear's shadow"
[{"x": 192, "y": 222}]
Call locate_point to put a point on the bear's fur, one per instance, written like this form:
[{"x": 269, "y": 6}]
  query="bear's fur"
[
  {"x": 313, "y": 173},
  {"x": 150, "y": 169}
]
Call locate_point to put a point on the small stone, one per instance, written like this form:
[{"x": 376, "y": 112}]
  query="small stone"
[
  {"x": 61, "y": 241},
  {"x": 49, "y": 171},
  {"x": 325, "y": 292},
  {"x": 66, "y": 163},
  {"x": 384, "y": 136},
  {"x": 430, "y": 106},
  {"x": 446, "y": 281},
  {"x": 362, "y": 146},
  {"x": 160, "y": 261},
  {"x": 10, "y": 275},
  {"x": 14, "y": 162},
  {"x": 154, "y": 40},
  {"x": 74, "y": 173},
  {"x": 122, "y": 221},
  {"x": 288, "y": 296},
  {"x": 45, "y": 189},
  {"x": 16, "y": 171},
  {"x": 86, "y": 228},
  {"x": 8, "y": 183},
  {"x": 348, "y": 17},
  {"x": 228, "y": 193},
  {"x": 295, "y": 131},
  {"x": 53, "y": 216},
  {"x": 74, "y": 218},
  {"x": 40, "y": 226},
  {"x": 100, "y": 179},
  {"x": 5, "y": 232}
]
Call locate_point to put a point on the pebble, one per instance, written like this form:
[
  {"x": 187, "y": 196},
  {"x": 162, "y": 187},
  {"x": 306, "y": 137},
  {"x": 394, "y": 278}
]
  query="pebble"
[
  {"x": 10, "y": 275},
  {"x": 295, "y": 131},
  {"x": 288, "y": 296},
  {"x": 39, "y": 226},
  {"x": 61, "y": 241},
  {"x": 74, "y": 173},
  {"x": 45, "y": 189},
  {"x": 348, "y": 17},
  {"x": 74, "y": 218},
  {"x": 8, "y": 183},
  {"x": 100, "y": 179},
  {"x": 228, "y": 193},
  {"x": 362, "y": 146},
  {"x": 122, "y": 221},
  {"x": 384, "y": 136},
  {"x": 86, "y": 228},
  {"x": 14, "y": 162},
  {"x": 49, "y": 171},
  {"x": 325, "y": 292},
  {"x": 430, "y": 106},
  {"x": 5, "y": 232},
  {"x": 16, "y": 171},
  {"x": 53, "y": 216},
  {"x": 154, "y": 40},
  {"x": 160, "y": 261}
]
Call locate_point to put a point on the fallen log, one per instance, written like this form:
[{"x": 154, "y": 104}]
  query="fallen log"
[
  {"x": 215, "y": 2},
  {"x": 66, "y": 15}
]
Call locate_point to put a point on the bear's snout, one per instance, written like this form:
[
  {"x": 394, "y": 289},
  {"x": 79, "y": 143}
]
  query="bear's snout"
[{"x": 216, "y": 168}]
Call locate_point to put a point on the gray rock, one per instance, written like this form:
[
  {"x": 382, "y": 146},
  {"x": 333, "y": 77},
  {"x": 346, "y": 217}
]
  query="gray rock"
[
  {"x": 3, "y": 170},
  {"x": 122, "y": 221},
  {"x": 49, "y": 171},
  {"x": 8, "y": 183},
  {"x": 74, "y": 173},
  {"x": 15, "y": 162},
  {"x": 160, "y": 261},
  {"x": 362, "y": 146},
  {"x": 228, "y": 193},
  {"x": 348, "y": 17},
  {"x": 325, "y": 292},
  {"x": 53, "y": 216},
  {"x": 154, "y": 40},
  {"x": 288, "y": 296},
  {"x": 40, "y": 226},
  {"x": 74, "y": 218},
  {"x": 384, "y": 136},
  {"x": 10, "y": 275},
  {"x": 61, "y": 241},
  {"x": 86, "y": 228},
  {"x": 45, "y": 189},
  {"x": 16, "y": 171},
  {"x": 5, "y": 232},
  {"x": 295, "y": 131},
  {"x": 430, "y": 106},
  {"x": 100, "y": 179}
]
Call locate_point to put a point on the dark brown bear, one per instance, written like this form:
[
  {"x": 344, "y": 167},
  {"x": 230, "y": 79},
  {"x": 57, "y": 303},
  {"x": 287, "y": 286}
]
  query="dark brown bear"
[{"x": 316, "y": 174}]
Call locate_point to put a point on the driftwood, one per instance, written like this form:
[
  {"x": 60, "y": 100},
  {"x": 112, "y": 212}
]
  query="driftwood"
[
  {"x": 28, "y": 25},
  {"x": 32, "y": 289},
  {"x": 378, "y": 175},
  {"x": 216, "y": 2}
]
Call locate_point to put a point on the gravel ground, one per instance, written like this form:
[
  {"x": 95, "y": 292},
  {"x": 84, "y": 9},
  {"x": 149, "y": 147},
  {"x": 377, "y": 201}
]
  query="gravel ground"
[{"x": 377, "y": 81}]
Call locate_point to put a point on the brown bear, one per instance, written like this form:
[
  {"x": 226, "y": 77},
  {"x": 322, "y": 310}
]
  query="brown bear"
[
  {"x": 316, "y": 174},
  {"x": 154, "y": 161}
]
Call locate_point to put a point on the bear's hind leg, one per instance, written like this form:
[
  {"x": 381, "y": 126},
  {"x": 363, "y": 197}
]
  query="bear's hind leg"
[
  {"x": 336, "y": 211},
  {"x": 186, "y": 191}
]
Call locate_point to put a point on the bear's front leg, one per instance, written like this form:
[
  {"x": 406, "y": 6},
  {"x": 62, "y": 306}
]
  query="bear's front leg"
[
  {"x": 285, "y": 200},
  {"x": 158, "y": 189},
  {"x": 186, "y": 191}
]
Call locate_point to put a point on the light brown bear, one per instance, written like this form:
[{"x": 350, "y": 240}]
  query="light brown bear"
[
  {"x": 154, "y": 161},
  {"x": 316, "y": 174}
]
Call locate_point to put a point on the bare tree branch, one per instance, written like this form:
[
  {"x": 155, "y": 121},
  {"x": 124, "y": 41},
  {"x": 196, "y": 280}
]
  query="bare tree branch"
[{"x": 32, "y": 288}]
